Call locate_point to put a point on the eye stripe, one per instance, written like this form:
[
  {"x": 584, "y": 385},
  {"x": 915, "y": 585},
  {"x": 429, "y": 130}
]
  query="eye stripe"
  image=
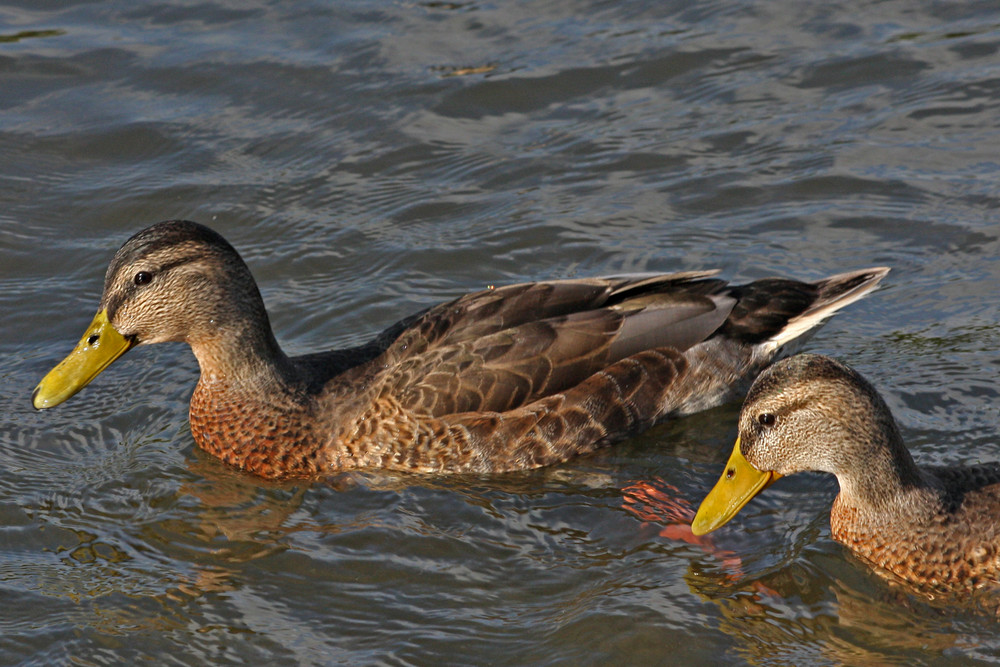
[{"x": 118, "y": 296}]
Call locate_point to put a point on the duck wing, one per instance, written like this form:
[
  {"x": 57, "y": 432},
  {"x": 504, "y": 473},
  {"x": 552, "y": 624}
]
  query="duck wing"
[{"x": 483, "y": 353}]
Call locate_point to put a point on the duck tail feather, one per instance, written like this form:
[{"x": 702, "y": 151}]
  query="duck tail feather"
[{"x": 832, "y": 294}]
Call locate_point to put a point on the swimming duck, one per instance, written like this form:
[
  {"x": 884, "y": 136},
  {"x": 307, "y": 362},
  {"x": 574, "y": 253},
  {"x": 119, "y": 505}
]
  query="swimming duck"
[
  {"x": 503, "y": 379},
  {"x": 935, "y": 527}
]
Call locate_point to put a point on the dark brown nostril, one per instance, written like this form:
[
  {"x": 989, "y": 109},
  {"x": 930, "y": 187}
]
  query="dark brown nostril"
[
  {"x": 93, "y": 339},
  {"x": 730, "y": 473}
]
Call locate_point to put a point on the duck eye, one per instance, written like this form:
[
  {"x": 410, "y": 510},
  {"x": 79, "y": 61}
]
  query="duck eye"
[
  {"x": 142, "y": 277},
  {"x": 767, "y": 419}
]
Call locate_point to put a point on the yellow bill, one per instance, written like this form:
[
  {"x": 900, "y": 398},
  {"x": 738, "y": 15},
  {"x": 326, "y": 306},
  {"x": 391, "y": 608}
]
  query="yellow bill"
[
  {"x": 101, "y": 345},
  {"x": 739, "y": 483}
]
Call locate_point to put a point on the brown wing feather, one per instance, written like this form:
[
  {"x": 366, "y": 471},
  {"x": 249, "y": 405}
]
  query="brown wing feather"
[
  {"x": 501, "y": 370},
  {"x": 488, "y": 311},
  {"x": 508, "y": 368}
]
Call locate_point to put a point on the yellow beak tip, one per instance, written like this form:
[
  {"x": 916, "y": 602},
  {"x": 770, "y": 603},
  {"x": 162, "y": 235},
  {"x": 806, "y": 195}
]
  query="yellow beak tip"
[
  {"x": 40, "y": 400},
  {"x": 36, "y": 403},
  {"x": 703, "y": 525}
]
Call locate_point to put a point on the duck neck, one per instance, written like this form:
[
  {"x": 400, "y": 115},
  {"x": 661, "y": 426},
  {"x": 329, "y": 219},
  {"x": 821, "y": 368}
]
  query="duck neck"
[
  {"x": 246, "y": 357},
  {"x": 250, "y": 410},
  {"x": 885, "y": 479}
]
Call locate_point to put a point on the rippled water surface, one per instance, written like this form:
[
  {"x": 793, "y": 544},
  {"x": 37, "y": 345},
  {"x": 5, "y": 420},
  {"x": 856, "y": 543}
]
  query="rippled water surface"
[{"x": 372, "y": 158}]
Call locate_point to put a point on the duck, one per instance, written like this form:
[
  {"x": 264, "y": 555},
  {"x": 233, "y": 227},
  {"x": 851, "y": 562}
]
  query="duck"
[
  {"x": 933, "y": 528},
  {"x": 503, "y": 379}
]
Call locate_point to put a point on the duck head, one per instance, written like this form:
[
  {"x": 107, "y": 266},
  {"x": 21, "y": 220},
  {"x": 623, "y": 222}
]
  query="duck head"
[
  {"x": 174, "y": 281},
  {"x": 808, "y": 412}
]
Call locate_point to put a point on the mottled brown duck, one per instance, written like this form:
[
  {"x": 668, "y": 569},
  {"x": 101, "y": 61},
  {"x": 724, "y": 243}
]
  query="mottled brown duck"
[
  {"x": 935, "y": 527},
  {"x": 503, "y": 379}
]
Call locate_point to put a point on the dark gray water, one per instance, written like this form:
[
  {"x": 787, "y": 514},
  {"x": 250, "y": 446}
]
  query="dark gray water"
[{"x": 372, "y": 158}]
